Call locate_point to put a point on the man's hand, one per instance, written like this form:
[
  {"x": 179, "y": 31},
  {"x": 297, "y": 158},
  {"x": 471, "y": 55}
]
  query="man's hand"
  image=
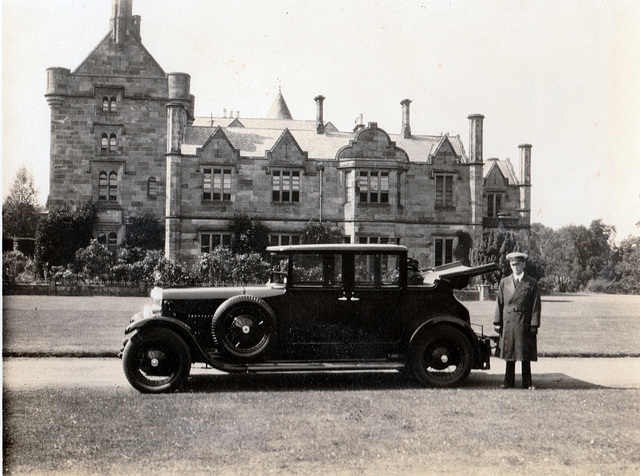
[{"x": 533, "y": 330}]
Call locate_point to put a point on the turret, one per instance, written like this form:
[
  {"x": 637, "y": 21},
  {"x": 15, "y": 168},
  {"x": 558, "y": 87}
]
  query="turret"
[{"x": 57, "y": 86}]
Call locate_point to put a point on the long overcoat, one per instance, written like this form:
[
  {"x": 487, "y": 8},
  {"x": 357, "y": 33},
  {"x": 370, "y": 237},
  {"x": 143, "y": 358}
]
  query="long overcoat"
[{"x": 517, "y": 312}]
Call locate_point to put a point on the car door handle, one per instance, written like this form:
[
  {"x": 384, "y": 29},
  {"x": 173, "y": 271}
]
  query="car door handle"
[
  {"x": 353, "y": 298},
  {"x": 343, "y": 298}
]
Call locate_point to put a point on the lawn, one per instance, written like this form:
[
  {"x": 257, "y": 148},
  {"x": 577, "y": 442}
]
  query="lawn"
[
  {"x": 572, "y": 324},
  {"x": 342, "y": 426}
]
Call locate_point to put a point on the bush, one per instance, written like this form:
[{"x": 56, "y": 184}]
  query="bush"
[
  {"x": 95, "y": 262},
  {"x": 14, "y": 264},
  {"x": 250, "y": 268}
]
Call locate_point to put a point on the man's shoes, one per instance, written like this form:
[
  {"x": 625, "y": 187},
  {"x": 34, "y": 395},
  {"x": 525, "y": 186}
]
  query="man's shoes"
[
  {"x": 504, "y": 386},
  {"x": 530, "y": 387}
]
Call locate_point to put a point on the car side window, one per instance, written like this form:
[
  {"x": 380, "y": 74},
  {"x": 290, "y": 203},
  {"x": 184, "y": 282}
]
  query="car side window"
[
  {"x": 317, "y": 269},
  {"x": 376, "y": 269}
]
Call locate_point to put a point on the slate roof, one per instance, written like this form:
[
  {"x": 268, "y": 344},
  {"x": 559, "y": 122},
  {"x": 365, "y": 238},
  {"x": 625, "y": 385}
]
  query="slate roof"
[
  {"x": 505, "y": 166},
  {"x": 253, "y": 137}
]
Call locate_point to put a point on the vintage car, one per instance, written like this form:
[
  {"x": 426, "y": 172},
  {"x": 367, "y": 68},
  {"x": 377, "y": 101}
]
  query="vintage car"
[{"x": 325, "y": 307}]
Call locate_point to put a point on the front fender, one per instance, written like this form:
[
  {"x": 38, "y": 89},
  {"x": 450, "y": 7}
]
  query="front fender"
[{"x": 160, "y": 320}]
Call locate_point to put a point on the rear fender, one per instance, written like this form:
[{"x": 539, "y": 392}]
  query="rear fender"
[{"x": 459, "y": 324}]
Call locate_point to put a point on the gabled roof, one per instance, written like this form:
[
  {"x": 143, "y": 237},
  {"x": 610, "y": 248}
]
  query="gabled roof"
[
  {"x": 504, "y": 166},
  {"x": 107, "y": 60}
]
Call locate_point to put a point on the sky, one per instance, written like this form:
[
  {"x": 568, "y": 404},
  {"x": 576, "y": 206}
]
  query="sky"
[{"x": 563, "y": 76}]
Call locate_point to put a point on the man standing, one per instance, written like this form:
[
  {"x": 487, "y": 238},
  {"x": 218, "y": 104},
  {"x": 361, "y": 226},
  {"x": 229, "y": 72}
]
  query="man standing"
[{"x": 516, "y": 319}]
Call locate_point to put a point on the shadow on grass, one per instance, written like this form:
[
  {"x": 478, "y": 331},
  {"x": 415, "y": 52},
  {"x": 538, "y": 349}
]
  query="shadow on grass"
[{"x": 359, "y": 381}]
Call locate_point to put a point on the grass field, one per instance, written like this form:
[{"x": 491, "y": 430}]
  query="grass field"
[
  {"x": 572, "y": 324},
  {"x": 342, "y": 426}
]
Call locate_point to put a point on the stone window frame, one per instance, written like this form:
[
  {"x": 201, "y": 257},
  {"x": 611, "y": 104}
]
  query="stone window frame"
[
  {"x": 223, "y": 190},
  {"x": 152, "y": 187},
  {"x": 289, "y": 191},
  {"x": 375, "y": 185},
  {"x": 213, "y": 239},
  {"x": 109, "y": 138},
  {"x": 495, "y": 201},
  {"x": 285, "y": 239},
  {"x": 443, "y": 249},
  {"x": 109, "y": 240},
  {"x": 445, "y": 198},
  {"x": 109, "y": 99}
]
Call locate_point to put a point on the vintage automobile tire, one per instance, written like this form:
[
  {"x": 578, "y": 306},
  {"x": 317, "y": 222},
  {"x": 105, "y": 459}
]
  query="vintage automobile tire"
[
  {"x": 442, "y": 357},
  {"x": 156, "y": 360},
  {"x": 244, "y": 326}
]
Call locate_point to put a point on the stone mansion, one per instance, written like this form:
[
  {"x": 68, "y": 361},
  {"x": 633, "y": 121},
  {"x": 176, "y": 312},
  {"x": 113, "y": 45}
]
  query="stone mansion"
[{"x": 125, "y": 137}]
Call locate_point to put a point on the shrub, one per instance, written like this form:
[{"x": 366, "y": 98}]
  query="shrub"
[
  {"x": 250, "y": 268},
  {"x": 94, "y": 262},
  {"x": 14, "y": 264}
]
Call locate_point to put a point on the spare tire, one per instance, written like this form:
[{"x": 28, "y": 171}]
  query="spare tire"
[{"x": 243, "y": 326}]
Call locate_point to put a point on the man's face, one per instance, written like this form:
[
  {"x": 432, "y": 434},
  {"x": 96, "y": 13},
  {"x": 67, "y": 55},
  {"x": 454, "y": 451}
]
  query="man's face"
[{"x": 517, "y": 266}]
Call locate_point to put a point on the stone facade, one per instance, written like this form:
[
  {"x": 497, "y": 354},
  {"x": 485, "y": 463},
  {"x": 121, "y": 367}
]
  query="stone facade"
[{"x": 124, "y": 136}]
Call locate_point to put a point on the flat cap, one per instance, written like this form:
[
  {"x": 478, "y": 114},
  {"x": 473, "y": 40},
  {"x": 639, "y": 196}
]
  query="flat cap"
[{"x": 516, "y": 255}]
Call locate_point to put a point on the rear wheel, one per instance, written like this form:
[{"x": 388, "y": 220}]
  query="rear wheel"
[
  {"x": 156, "y": 361},
  {"x": 442, "y": 358}
]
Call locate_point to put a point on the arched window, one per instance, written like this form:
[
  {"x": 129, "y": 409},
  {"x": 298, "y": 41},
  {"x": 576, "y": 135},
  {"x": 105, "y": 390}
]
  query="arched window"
[
  {"x": 113, "y": 241},
  {"x": 113, "y": 104},
  {"x": 102, "y": 239},
  {"x": 105, "y": 104},
  {"x": 103, "y": 192},
  {"x": 113, "y": 186},
  {"x": 104, "y": 145},
  {"x": 113, "y": 143},
  {"x": 152, "y": 187}
]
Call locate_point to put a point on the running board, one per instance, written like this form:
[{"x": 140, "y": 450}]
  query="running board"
[{"x": 309, "y": 366}]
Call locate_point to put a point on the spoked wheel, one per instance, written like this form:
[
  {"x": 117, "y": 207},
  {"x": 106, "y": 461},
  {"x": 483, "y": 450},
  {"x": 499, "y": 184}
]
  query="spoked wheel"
[
  {"x": 443, "y": 358},
  {"x": 156, "y": 361},
  {"x": 244, "y": 326}
]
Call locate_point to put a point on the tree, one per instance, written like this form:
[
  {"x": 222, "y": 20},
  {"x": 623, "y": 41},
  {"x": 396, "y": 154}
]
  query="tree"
[
  {"x": 316, "y": 232},
  {"x": 249, "y": 236},
  {"x": 143, "y": 231},
  {"x": 21, "y": 210},
  {"x": 61, "y": 233},
  {"x": 494, "y": 248},
  {"x": 627, "y": 266}
]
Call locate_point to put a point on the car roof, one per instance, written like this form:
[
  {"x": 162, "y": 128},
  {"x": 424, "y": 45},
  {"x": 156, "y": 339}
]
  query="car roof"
[{"x": 337, "y": 247}]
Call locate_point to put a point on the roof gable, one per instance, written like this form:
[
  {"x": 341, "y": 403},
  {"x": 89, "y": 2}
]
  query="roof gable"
[
  {"x": 444, "y": 153},
  {"x": 286, "y": 151},
  {"x": 372, "y": 143},
  {"x": 218, "y": 149},
  {"x": 130, "y": 58}
]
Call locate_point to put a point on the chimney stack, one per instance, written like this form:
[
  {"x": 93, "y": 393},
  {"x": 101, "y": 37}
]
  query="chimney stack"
[
  {"x": 406, "y": 118},
  {"x": 319, "y": 114},
  {"x": 475, "y": 137},
  {"x": 122, "y": 21}
]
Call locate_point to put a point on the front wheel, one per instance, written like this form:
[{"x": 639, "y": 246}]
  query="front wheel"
[
  {"x": 156, "y": 361},
  {"x": 442, "y": 358}
]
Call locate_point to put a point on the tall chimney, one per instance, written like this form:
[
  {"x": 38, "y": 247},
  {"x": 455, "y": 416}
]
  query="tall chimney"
[
  {"x": 122, "y": 21},
  {"x": 475, "y": 137},
  {"x": 319, "y": 114},
  {"x": 525, "y": 183},
  {"x": 406, "y": 118}
]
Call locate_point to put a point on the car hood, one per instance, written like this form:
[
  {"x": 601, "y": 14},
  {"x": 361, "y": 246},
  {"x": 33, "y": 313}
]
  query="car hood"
[
  {"x": 264, "y": 291},
  {"x": 457, "y": 273}
]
